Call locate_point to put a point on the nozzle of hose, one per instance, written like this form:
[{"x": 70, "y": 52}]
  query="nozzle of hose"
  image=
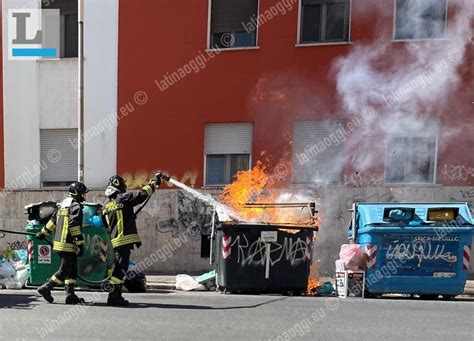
[{"x": 162, "y": 176}]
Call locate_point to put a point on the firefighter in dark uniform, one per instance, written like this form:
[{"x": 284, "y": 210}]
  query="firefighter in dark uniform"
[
  {"x": 120, "y": 218},
  {"x": 66, "y": 224}
]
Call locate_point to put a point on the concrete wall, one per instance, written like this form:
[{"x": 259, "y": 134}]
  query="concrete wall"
[
  {"x": 170, "y": 224},
  {"x": 43, "y": 95}
]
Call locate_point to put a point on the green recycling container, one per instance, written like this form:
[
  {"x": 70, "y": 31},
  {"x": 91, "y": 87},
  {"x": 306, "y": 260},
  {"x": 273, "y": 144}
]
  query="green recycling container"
[{"x": 92, "y": 266}]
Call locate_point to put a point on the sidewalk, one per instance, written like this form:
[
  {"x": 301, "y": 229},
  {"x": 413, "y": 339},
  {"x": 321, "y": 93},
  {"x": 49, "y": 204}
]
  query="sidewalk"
[{"x": 168, "y": 283}]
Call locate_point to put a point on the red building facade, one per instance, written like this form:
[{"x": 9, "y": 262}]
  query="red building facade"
[{"x": 274, "y": 85}]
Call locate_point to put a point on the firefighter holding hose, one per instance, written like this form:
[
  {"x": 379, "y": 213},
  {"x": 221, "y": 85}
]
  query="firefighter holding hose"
[
  {"x": 120, "y": 219},
  {"x": 66, "y": 222}
]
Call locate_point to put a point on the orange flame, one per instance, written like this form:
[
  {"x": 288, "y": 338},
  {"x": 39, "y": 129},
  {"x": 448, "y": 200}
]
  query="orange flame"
[
  {"x": 313, "y": 279},
  {"x": 256, "y": 186}
]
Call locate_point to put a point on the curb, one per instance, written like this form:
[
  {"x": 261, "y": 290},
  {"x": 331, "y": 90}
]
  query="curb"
[{"x": 160, "y": 286}]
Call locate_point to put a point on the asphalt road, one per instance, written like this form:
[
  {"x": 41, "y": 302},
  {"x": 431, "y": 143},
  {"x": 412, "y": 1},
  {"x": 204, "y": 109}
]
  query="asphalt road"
[{"x": 165, "y": 316}]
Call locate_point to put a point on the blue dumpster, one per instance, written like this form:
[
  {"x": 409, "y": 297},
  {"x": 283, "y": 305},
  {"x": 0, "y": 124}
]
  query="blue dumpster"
[{"x": 414, "y": 248}]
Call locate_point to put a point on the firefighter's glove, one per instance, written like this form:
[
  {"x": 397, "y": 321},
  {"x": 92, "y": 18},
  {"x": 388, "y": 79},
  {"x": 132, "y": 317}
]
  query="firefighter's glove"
[{"x": 162, "y": 176}]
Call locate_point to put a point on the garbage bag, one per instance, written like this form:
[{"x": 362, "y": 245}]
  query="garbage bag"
[
  {"x": 352, "y": 255},
  {"x": 21, "y": 255},
  {"x": 186, "y": 283},
  {"x": 20, "y": 278},
  {"x": 7, "y": 270}
]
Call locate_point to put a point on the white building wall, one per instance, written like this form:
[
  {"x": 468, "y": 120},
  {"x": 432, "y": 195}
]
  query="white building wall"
[
  {"x": 43, "y": 95},
  {"x": 100, "y": 92},
  {"x": 21, "y": 112},
  {"x": 58, "y": 93}
]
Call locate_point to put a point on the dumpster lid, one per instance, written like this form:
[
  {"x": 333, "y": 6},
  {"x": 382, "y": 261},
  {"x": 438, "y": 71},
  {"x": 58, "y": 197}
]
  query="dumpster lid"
[{"x": 378, "y": 213}]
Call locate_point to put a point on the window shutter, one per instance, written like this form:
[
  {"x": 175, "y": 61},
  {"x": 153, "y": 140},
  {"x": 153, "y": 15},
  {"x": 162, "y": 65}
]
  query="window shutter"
[
  {"x": 56, "y": 142},
  {"x": 229, "y": 15},
  {"x": 317, "y": 152},
  {"x": 232, "y": 138}
]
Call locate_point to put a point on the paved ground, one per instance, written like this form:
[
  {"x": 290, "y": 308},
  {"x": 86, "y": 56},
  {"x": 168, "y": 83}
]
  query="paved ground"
[{"x": 204, "y": 315}]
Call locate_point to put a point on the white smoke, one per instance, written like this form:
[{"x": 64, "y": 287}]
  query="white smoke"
[{"x": 405, "y": 86}]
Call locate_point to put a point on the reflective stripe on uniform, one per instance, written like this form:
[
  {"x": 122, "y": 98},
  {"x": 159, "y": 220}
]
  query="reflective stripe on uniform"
[
  {"x": 115, "y": 280},
  {"x": 120, "y": 223},
  {"x": 64, "y": 247},
  {"x": 70, "y": 281},
  {"x": 65, "y": 229},
  {"x": 50, "y": 226},
  {"x": 110, "y": 271},
  {"x": 56, "y": 280},
  {"x": 130, "y": 239},
  {"x": 148, "y": 189},
  {"x": 75, "y": 231},
  {"x": 79, "y": 242}
]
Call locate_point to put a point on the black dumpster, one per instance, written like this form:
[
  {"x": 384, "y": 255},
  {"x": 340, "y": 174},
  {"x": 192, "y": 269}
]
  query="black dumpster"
[{"x": 263, "y": 258}]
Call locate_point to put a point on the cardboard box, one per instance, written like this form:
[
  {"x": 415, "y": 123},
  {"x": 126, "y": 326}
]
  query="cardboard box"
[{"x": 350, "y": 283}]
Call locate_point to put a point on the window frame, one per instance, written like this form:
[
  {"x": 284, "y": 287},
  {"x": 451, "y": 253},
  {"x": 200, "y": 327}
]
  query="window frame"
[
  {"x": 63, "y": 33},
  {"x": 394, "y": 28},
  {"x": 298, "y": 31},
  {"x": 435, "y": 163},
  {"x": 205, "y": 184},
  {"x": 240, "y": 48}
]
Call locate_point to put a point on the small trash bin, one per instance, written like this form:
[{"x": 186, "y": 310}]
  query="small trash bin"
[
  {"x": 421, "y": 249},
  {"x": 263, "y": 258},
  {"x": 92, "y": 266}
]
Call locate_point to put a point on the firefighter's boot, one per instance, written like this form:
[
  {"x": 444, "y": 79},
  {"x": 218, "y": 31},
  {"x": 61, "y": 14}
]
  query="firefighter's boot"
[
  {"x": 115, "y": 297},
  {"x": 71, "y": 297},
  {"x": 45, "y": 291}
]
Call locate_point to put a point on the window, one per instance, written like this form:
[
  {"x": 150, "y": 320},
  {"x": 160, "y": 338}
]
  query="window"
[
  {"x": 324, "y": 21},
  {"x": 420, "y": 19},
  {"x": 69, "y": 26},
  {"x": 58, "y": 157},
  {"x": 227, "y": 151},
  {"x": 410, "y": 160},
  {"x": 233, "y": 23},
  {"x": 317, "y": 151}
]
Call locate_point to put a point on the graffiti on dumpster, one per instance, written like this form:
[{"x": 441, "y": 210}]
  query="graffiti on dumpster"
[
  {"x": 95, "y": 255},
  {"x": 92, "y": 243},
  {"x": 293, "y": 251},
  {"x": 420, "y": 251}
]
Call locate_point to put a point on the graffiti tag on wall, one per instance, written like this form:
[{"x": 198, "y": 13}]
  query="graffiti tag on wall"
[
  {"x": 192, "y": 215},
  {"x": 141, "y": 178},
  {"x": 457, "y": 172},
  {"x": 363, "y": 180}
]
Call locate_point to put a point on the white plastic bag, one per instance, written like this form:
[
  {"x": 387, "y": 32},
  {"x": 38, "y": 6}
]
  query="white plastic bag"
[
  {"x": 10, "y": 283},
  {"x": 7, "y": 270},
  {"x": 352, "y": 255},
  {"x": 21, "y": 277},
  {"x": 186, "y": 283}
]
